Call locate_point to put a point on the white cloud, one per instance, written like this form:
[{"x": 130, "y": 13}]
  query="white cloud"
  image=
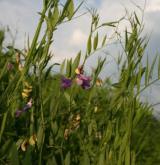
[
  {"x": 153, "y": 6},
  {"x": 60, "y": 55},
  {"x": 21, "y": 16},
  {"x": 70, "y": 37},
  {"x": 78, "y": 38}
]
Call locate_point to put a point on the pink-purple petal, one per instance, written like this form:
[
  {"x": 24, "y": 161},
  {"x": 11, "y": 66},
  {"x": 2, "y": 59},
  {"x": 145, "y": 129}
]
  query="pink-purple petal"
[
  {"x": 66, "y": 83},
  {"x": 84, "y": 81}
]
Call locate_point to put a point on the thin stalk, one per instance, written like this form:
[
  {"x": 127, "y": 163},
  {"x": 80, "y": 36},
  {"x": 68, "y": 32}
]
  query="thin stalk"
[
  {"x": 34, "y": 42},
  {"x": 31, "y": 123},
  {"x": 42, "y": 117},
  {"x": 41, "y": 148},
  {"x": 3, "y": 125},
  {"x": 155, "y": 104},
  {"x": 149, "y": 84}
]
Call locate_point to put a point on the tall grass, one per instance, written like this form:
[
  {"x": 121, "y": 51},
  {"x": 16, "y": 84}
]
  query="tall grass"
[{"x": 72, "y": 118}]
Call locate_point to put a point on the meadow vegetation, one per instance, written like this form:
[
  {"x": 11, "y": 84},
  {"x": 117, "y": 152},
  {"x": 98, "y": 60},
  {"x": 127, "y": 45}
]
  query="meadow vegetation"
[{"x": 74, "y": 117}]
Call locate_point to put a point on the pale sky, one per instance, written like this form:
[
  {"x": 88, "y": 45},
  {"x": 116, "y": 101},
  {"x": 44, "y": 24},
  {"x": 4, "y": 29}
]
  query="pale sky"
[{"x": 22, "y": 15}]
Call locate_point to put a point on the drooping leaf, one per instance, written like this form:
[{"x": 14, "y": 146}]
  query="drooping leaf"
[
  {"x": 112, "y": 24},
  {"x": 49, "y": 70}
]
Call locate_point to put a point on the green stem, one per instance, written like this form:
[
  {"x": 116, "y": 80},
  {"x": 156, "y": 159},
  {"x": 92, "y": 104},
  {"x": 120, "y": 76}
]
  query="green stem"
[
  {"x": 41, "y": 148},
  {"x": 3, "y": 125},
  {"x": 31, "y": 123},
  {"x": 146, "y": 86},
  {"x": 34, "y": 42}
]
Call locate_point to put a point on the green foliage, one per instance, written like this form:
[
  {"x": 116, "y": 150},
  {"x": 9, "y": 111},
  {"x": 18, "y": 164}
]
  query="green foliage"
[{"x": 44, "y": 122}]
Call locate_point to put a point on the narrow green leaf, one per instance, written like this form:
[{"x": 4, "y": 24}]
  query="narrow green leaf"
[
  {"x": 152, "y": 67},
  {"x": 127, "y": 155},
  {"x": 95, "y": 41},
  {"x": 133, "y": 158},
  {"x": 159, "y": 68},
  {"x": 52, "y": 161},
  {"x": 126, "y": 39},
  {"x": 55, "y": 16},
  {"x": 69, "y": 68},
  {"x": 147, "y": 72},
  {"x": 68, "y": 98},
  {"x": 40, "y": 136},
  {"x": 139, "y": 78},
  {"x": 104, "y": 40},
  {"x": 112, "y": 24},
  {"x": 5, "y": 148},
  {"x": 136, "y": 18},
  {"x": 49, "y": 25},
  {"x": 77, "y": 8},
  {"x": 101, "y": 159},
  {"x": 70, "y": 9},
  {"x": 108, "y": 133},
  {"x": 62, "y": 67},
  {"x": 76, "y": 63},
  {"x": 54, "y": 127},
  {"x": 28, "y": 156},
  {"x": 67, "y": 160},
  {"x": 90, "y": 129},
  {"x": 49, "y": 70},
  {"x": 89, "y": 44},
  {"x": 14, "y": 155},
  {"x": 65, "y": 12},
  {"x": 85, "y": 159}
]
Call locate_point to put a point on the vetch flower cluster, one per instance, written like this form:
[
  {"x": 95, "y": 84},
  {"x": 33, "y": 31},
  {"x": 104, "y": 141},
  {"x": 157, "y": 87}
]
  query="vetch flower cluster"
[
  {"x": 83, "y": 81},
  {"x": 80, "y": 79}
]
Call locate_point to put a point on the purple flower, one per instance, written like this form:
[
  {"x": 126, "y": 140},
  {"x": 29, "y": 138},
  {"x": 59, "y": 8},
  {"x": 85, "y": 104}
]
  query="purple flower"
[
  {"x": 83, "y": 81},
  {"x": 66, "y": 82},
  {"x": 24, "y": 109},
  {"x": 27, "y": 106}
]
